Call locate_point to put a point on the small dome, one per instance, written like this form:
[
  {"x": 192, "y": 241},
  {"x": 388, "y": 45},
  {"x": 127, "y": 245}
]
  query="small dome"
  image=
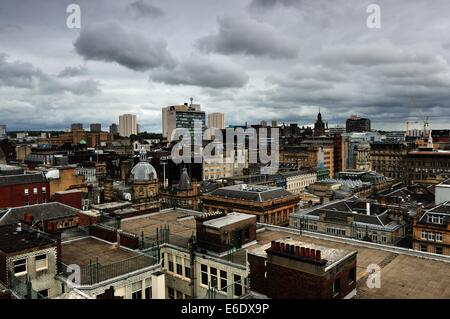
[{"x": 143, "y": 171}]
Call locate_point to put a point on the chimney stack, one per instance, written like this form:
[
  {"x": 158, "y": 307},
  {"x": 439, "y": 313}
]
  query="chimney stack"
[{"x": 318, "y": 255}]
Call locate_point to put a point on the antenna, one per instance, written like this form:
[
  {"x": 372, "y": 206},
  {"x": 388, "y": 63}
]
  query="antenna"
[{"x": 192, "y": 99}]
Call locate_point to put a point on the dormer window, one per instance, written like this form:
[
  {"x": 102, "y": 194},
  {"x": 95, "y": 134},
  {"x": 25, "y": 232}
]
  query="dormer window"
[{"x": 435, "y": 219}]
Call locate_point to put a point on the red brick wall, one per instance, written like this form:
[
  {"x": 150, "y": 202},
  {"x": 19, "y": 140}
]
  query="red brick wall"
[
  {"x": 13, "y": 196},
  {"x": 129, "y": 240},
  {"x": 86, "y": 220},
  {"x": 103, "y": 233},
  {"x": 69, "y": 199}
]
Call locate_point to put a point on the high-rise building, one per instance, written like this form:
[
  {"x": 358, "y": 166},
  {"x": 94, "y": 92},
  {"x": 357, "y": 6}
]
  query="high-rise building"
[
  {"x": 96, "y": 127},
  {"x": 216, "y": 120},
  {"x": 357, "y": 124},
  {"x": 182, "y": 116},
  {"x": 76, "y": 127},
  {"x": 2, "y": 131},
  {"x": 113, "y": 129},
  {"x": 127, "y": 125}
]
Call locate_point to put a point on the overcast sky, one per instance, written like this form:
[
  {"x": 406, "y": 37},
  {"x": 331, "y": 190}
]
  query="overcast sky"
[{"x": 251, "y": 59}]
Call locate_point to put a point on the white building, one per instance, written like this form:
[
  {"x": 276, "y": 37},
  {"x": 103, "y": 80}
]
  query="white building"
[
  {"x": 297, "y": 181},
  {"x": 127, "y": 125},
  {"x": 216, "y": 120}
]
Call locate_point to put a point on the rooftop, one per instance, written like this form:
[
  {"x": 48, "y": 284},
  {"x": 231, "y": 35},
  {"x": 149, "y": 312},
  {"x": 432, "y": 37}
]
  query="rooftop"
[
  {"x": 330, "y": 254},
  {"x": 27, "y": 178},
  {"x": 257, "y": 193},
  {"x": 228, "y": 219},
  {"x": 402, "y": 276},
  {"x": 46, "y": 211},
  {"x": 16, "y": 238}
]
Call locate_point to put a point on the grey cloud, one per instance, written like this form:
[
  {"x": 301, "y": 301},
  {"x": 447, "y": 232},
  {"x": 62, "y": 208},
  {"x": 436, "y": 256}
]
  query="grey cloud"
[
  {"x": 204, "y": 72},
  {"x": 239, "y": 35},
  {"x": 141, "y": 9},
  {"x": 24, "y": 75},
  {"x": 17, "y": 74},
  {"x": 112, "y": 42},
  {"x": 69, "y": 71}
]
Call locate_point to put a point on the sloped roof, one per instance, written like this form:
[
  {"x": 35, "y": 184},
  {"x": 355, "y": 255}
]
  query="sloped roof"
[
  {"x": 7, "y": 180},
  {"x": 256, "y": 193},
  {"x": 47, "y": 211}
]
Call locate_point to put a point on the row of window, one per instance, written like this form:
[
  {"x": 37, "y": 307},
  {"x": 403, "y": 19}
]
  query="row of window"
[
  {"x": 437, "y": 250},
  {"x": 35, "y": 191},
  {"x": 432, "y": 236},
  {"x": 336, "y": 231},
  {"x": 21, "y": 265},
  {"x": 435, "y": 219},
  {"x": 178, "y": 265},
  {"x": 138, "y": 291},
  {"x": 218, "y": 279}
]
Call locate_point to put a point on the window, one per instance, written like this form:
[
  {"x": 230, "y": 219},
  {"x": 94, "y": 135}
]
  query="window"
[
  {"x": 179, "y": 269},
  {"x": 170, "y": 260},
  {"x": 148, "y": 288},
  {"x": 25, "y": 192},
  {"x": 171, "y": 293},
  {"x": 20, "y": 267},
  {"x": 41, "y": 262},
  {"x": 136, "y": 290},
  {"x": 179, "y": 295},
  {"x": 223, "y": 281},
  {"x": 352, "y": 276},
  {"x": 35, "y": 190},
  {"x": 204, "y": 271},
  {"x": 44, "y": 190},
  {"x": 43, "y": 294},
  {"x": 187, "y": 272},
  {"x": 237, "y": 285},
  {"x": 213, "y": 272},
  {"x": 336, "y": 286},
  {"x": 438, "y": 250},
  {"x": 438, "y": 236},
  {"x": 424, "y": 248}
]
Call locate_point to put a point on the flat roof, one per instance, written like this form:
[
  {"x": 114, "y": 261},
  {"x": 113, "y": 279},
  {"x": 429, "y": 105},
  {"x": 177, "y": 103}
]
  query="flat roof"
[
  {"x": 83, "y": 251},
  {"x": 14, "y": 238},
  {"x": 330, "y": 254},
  {"x": 229, "y": 219},
  {"x": 402, "y": 276}
]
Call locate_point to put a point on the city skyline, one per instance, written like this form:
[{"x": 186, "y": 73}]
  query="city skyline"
[{"x": 140, "y": 56}]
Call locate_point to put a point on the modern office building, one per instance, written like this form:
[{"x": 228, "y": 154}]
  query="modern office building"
[
  {"x": 182, "y": 116},
  {"x": 127, "y": 125},
  {"x": 216, "y": 120}
]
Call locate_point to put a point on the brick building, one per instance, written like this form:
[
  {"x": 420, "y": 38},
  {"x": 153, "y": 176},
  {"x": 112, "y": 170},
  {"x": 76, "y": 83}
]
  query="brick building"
[
  {"x": 28, "y": 188},
  {"x": 271, "y": 205},
  {"x": 290, "y": 269}
]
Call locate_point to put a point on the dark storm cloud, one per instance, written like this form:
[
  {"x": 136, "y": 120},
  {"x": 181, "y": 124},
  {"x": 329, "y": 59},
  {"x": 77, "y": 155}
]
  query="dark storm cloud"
[
  {"x": 112, "y": 42},
  {"x": 266, "y": 4},
  {"x": 142, "y": 9},
  {"x": 203, "y": 72},
  {"x": 70, "y": 71},
  {"x": 240, "y": 35}
]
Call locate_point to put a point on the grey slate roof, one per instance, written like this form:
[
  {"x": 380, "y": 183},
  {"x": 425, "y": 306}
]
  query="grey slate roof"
[
  {"x": 47, "y": 211},
  {"x": 7, "y": 180},
  {"x": 254, "y": 193}
]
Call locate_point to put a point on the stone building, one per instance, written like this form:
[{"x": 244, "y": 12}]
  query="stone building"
[
  {"x": 271, "y": 205},
  {"x": 185, "y": 194},
  {"x": 388, "y": 158}
]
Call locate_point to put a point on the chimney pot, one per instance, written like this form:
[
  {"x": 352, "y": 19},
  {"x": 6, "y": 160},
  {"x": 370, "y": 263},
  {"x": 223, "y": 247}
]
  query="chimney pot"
[
  {"x": 302, "y": 251},
  {"x": 297, "y": 251},
  {"x": 282, "y": 247},
  {"x": 272, "y": 245},
  {"x": 287, "y": 248},
  {"x": 318, "y": 255},
  {"x": 292, "y": 249},
  {"x": 312, "y": 254},
  {"x": 307, "y": 251},
  {"x": 278, "y": 246}
]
